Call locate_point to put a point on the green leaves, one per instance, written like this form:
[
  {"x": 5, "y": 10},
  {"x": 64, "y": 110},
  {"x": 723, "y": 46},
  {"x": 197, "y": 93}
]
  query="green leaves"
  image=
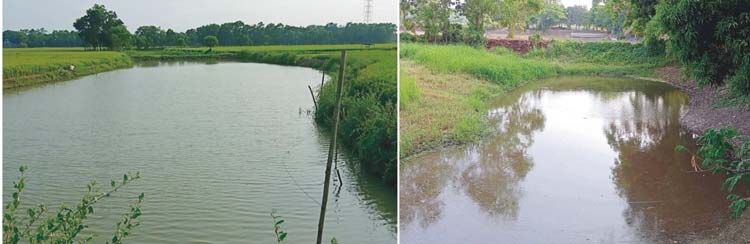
[
  {"x": 280, "y": 234},
  {"x": 720, "y": 155},
  {"x": 65, "y": 225},
  {"x": 680, "y": 148}
]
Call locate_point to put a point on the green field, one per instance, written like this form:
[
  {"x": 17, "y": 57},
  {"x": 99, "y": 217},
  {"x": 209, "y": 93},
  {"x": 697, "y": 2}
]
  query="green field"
[
  {"x": 29, "y": 66},
  {"x": 368, "y": 123},
  {"x": 443, "y": 86}
]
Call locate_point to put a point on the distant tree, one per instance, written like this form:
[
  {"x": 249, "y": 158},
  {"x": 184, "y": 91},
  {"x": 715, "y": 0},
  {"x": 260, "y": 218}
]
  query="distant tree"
[
  {"x": 15, "y": 39},
  {"x": 210, "y": 41},
  {"x": 406, "y": 13},
  {"x": 150, "y": 36},
  {"x": 513, "y": 13},
  {"x": 577, "y": 16},
  {"x": 170, "y": 38},
  {"x": 95, "y": 28},
  {"x": 120, "y": 37},
  {"x": 434, "y": 17},
  {"x": 600, "y": 17},
  {"x": 181, "y": 41},
  {"x": 553, "y": 14},
  {"x": 479, "y": 13}
]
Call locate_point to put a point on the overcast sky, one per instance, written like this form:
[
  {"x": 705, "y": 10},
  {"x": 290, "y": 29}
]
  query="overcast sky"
[
  {"x": 569, "y": 3},
  {"x": 181, "y": 15}
]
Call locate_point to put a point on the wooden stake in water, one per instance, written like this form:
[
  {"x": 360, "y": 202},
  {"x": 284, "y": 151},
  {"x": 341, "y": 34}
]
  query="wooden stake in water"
[
  {"x": 313, "y": 96},
  {"x": 331, "y": 147}
]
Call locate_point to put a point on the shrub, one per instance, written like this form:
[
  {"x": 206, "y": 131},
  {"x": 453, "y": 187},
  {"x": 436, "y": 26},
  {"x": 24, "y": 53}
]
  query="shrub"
[
  {"x": 711, "y": 39},
  {"x": 67, "y": 223},
  {"x": 721, "y": 155}
]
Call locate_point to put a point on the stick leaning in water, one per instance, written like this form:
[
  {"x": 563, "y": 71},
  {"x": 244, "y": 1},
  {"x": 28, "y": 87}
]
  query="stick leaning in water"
[{"x": 331, "y": 147}]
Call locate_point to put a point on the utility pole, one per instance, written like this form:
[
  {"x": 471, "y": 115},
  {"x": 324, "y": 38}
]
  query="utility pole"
[{"x": 332, "y": 146}]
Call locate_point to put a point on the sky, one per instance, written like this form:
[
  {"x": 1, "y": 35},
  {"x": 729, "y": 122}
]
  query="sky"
[
  {"x": 181, "y": 15},
  {"x": 569, "y": 3}
]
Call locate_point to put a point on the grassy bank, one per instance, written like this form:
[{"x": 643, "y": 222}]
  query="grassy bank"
[
  {"x": 368, "y": 123},
  {"x": 445, "y": 88},
  {"x": 439, "y": 109},
  {"x": 30, "y": 66}
]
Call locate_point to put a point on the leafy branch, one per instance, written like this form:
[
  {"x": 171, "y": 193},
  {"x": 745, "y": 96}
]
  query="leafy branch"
[
  {"x": 721, "y": 155},
  {"x": 67, "y": 223}
]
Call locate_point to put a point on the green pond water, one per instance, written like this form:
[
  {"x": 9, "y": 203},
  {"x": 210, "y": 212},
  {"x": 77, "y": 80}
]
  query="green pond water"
[{"x": 219, "y": 147}]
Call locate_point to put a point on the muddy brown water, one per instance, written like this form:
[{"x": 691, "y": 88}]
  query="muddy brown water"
[{"x": 569, "y": 160}]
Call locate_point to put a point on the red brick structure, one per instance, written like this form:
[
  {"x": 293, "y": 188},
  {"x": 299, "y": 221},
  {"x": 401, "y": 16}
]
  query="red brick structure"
[{"x": 519, "y": 46}]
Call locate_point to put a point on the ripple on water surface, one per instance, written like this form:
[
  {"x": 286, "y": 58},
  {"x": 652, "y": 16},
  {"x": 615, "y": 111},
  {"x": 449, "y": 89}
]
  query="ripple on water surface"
[{"x": 219, "y": 146}]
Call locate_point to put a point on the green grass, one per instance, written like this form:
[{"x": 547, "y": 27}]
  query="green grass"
[
  {"x": 368, "y": 122},
  {"x": 453, "y": 82},
  {"x": 446, "y": 111},
  {"x": 408, "y": 90},
  {"x": 29, "y": 66},
  {"x": 507, "y": 70}
]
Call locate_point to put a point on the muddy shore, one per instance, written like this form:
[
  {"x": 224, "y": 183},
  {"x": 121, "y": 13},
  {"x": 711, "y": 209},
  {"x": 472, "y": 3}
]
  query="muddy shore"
[{"x": 702, "y": 110}]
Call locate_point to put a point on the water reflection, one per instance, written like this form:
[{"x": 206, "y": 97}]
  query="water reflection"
[
  {"x": 663, "y": 195},
  {"x": 488, "y": 173},
  {"x": 574, "y": 159}
]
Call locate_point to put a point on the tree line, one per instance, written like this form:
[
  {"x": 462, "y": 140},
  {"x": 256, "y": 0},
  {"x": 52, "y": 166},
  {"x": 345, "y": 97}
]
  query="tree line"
[
  {"x": 466, "y": 20},
  {"x": 100, "y": 29},
  {"x": 710, "y": 38}
]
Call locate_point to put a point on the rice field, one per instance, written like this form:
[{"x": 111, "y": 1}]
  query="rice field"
[{"x": 28, "y": 66}]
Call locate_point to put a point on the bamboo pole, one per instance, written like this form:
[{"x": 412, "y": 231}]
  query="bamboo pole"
[
  {"x": 322, "y": 79},
  {"x": 331, "y": 147},
  {"x": 313, "y": 96}
]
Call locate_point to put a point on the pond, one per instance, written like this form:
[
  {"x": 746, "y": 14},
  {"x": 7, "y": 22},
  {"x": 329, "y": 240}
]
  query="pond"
[
  {"x": 219, "y": 146},
  {"x": 569, "y": 160}
]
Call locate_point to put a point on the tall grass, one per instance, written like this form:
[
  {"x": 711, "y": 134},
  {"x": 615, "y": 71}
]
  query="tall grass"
[
  {"x": 408, "y": 90},
  {"x": 368, "y": 122},
  {"x": 505, "y": 69},
  {"x": 28, "y": 66}
]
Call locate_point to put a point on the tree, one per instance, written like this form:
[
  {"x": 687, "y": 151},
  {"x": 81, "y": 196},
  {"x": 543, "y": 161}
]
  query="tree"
[
  {"x": 479, "y": 13},
  {"x": 513, "y": 13},
  {"x": 210, "y": 41},
  {"x": 714, "y": 47},
  {"x": 170, "y": 38},
  {"x": 407, "y": 14},
  {"x": 600, "y": 18},
  {"x": 120, "y": 37},
  {"x": 95, "y": 28},
  {"x": 150, "y": 36},
  {"x": 577, "y": 16},
  {"x": 434, "y": 17},
  {"x": 553, "y": 14},
  {"x": 15, "y": 39},
  {"x": 181, "y": 41}
]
